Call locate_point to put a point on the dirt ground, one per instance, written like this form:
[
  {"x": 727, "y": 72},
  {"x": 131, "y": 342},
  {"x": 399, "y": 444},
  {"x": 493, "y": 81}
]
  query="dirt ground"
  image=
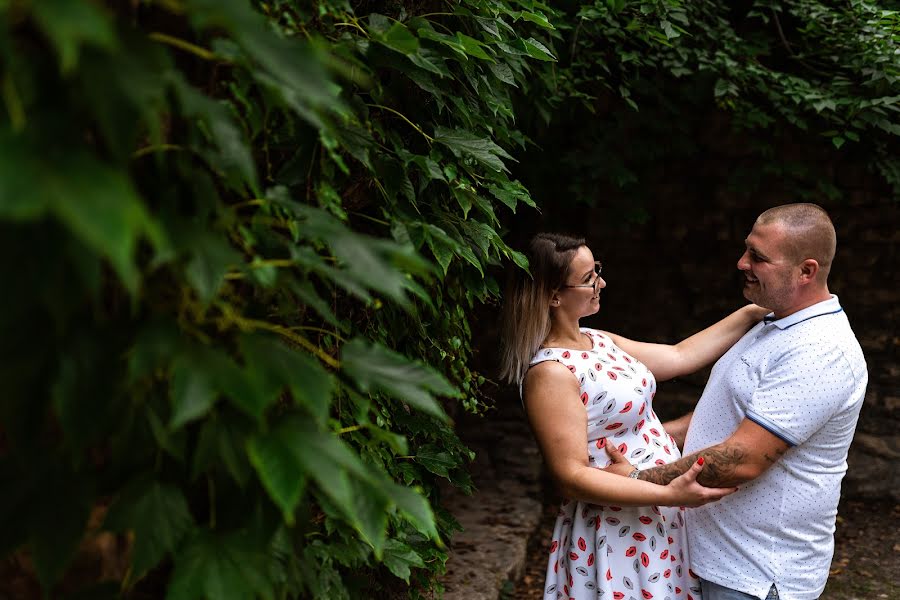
[{"x": 866, "y": 563}]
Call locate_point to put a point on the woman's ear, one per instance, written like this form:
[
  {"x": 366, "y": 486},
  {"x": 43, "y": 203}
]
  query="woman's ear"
[{"x": 554, "y": 301}]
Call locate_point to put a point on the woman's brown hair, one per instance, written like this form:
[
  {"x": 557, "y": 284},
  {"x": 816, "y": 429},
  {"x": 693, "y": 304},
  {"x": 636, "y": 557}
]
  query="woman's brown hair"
[{"x": 525, "y": 321}]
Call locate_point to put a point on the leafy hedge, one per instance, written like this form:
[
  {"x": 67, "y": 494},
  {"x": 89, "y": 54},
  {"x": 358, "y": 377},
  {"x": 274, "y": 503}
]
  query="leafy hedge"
[
  {"x": 241, "y": 243},
  {"x": 218, "y": 319}
]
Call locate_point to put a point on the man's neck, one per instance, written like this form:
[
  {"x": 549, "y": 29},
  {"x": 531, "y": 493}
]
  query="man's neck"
[{"x": 814, "y": 297}]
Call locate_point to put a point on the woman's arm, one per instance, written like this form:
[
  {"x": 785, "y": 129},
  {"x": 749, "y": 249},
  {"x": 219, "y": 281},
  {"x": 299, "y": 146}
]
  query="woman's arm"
[
  {"x": 667, "y": 361},
  {"x": 559, "y": 422}
]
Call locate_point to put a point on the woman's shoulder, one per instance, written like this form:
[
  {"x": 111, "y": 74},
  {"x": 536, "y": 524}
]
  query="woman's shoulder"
[{"x": 598, "y": 337}]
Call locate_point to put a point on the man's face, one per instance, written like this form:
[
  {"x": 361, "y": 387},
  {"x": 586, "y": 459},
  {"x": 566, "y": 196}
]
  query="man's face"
[{"x": 769, "y": 272}]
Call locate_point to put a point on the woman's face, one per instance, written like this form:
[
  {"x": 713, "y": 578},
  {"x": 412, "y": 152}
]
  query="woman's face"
[{"x": 580, "y": 294}]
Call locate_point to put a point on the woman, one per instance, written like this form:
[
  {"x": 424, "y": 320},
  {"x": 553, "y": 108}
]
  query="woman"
[{"x": 615, "y": 537}]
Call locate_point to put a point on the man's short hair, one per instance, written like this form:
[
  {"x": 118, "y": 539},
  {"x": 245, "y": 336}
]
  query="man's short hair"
[{"x": 811, "y": 232}]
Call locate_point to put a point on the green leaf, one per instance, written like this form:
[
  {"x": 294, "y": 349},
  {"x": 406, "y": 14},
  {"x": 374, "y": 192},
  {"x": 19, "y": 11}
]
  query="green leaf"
[
  {"x": 472, "y": 47},
  {"x": 211, "y": 258},
  {"x": 537, "y": 50},
  {"x": 537, "y": 18},
  {"x": 310, "y": 384},
  {"x": 376, "y": 368},
  {"x": 70, "y": 25},
  {"x": 158, "y": 515},
  {"x": 465, "y": 144},
  {"x": 192, "y": 388},
  {"x": 399, "y": 38},
  {"x": 221, "y": 444},
  {"x": 435, "y": 460},
  {"x": 220, "y": 567},
  {"x": 399, "y": 557},
  {"x": 274, "y": 458}
]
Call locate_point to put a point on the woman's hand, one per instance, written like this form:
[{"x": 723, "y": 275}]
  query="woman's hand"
[
  {"x": 684, "y": 489},
  {"x": 755, "y": 313},
  {"x": 691, "y": 493}
]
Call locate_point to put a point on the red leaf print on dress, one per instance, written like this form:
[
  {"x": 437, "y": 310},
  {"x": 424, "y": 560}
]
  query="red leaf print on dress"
[
  {"x": 618, "y": 595},
  {"x": 645, "y": 520},
  {"x": 573, "y": 556},
  {"x": 590, "y": 560},
  {"x": 582, "y": 545},
  {"x": 644, "y": 382},
  {"x": 584, "y": 355},
  {"x": 611, "y": 356},
  {"x": 639, "y": 536},
  {"x": 566, "y": 354},
  {"x": 667, "y": 573},
  {"x": 571, "y": 368},
  {"x": 626, "y": 408},
  {"x": 628, "y": 360},
  {"x": 623, "y": 448},
  {"x": 612, "y": 426},
  {"x": 654, "y": 431},
  {"x": 584, "y": 398},
  {"x": 664, "y": 554},
  {"x": 601, "y": 442},
  {"x": 646, "y": 594},
  {"x": 608, "y": 575},
  {"x": 631, "y": 551},
  {"x": 645, "y": 560},
  {"x": 612, "y": 375},
  {"x": 554, "y": 546},
  {"x": 598, "y": 367}
]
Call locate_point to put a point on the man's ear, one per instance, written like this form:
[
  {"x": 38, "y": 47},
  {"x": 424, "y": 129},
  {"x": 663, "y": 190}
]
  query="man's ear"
[{"x": 809, "y": 268}]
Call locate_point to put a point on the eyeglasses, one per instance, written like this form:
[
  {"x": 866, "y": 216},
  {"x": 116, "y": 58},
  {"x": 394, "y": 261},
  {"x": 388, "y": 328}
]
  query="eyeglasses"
[{"x": 598, "y": 268}]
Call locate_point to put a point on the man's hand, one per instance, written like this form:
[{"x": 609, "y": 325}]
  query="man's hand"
[{"x": 619, "y": 464}]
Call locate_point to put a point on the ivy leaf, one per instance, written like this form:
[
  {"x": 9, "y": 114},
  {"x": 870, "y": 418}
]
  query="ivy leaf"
[
  {"x": 537, "y": 50},
  {"x": 212, "y": 256},
  {"x": 376, "y": 368},
  {"x": 399, "y": 557},
  {"x": 400, "y": 39},
  {"x": 70, "y": 25},
  {"x": 192, "y": 388},
  {"x": 472, "y": 47},
  {"x": 466, "y": 144},
  {"x": 158, "y": 515},
  {"x": 220, "y": 444},
  {"x": 310, "y": 384},
  {"x": 537, "y": 18},
  {"x": 220, "y": 567},
  {"x": 274, "y": 457},
  {"x": 435, "y": 460}
]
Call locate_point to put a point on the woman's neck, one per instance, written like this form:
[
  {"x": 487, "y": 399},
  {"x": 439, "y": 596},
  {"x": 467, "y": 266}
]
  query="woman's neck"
[{"x": 564, "y": 335}]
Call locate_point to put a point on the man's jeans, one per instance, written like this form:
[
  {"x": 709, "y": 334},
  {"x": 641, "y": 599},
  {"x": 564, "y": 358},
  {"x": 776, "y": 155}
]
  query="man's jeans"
[{"x": 714, "y": 591}]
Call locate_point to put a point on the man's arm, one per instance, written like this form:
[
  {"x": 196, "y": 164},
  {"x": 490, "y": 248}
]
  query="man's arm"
[{"x": 744, "y": 456}]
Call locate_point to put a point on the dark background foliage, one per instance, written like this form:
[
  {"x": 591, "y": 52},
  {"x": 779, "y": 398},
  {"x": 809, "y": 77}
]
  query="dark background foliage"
[{"x": 245, "y": 246}]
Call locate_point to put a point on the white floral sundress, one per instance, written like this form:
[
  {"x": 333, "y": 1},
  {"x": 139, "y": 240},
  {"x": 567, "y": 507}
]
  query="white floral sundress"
[{"x": 611, "y": 552}]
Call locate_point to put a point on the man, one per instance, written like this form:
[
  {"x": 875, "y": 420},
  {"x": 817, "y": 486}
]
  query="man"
[{"x": 776, "y": 419}]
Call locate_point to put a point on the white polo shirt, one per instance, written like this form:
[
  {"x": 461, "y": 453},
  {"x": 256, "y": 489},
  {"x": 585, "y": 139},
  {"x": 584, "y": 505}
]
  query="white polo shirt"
[{"x": 803, "y": 378}]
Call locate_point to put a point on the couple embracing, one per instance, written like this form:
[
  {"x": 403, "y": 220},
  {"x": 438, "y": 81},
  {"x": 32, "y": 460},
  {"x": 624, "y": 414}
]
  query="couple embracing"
[{"x": 759, "y": 461}]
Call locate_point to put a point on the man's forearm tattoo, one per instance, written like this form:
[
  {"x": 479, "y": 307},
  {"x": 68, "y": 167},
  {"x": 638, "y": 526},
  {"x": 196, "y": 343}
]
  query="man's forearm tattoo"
[{"x": 719, "y": 468}]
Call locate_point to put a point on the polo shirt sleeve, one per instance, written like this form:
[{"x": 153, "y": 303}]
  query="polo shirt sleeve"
[{"x": 801, "y": 392}]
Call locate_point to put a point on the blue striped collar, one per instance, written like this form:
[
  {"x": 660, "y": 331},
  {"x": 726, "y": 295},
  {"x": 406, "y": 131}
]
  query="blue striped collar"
[{"x": 825, "y": 307}]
